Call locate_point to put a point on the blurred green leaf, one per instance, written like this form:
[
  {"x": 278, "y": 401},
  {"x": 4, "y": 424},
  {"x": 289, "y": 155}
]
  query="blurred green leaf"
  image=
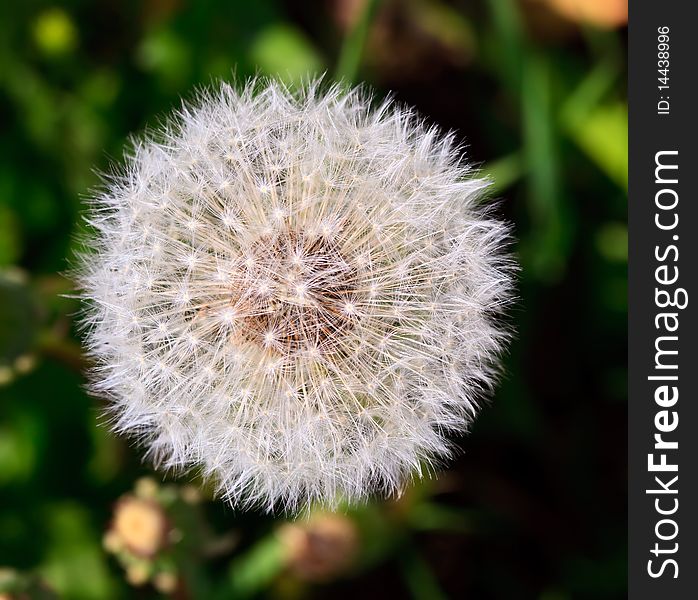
[
  {"x": 17, "y": 449},
  {"x": 54, "y": 32},
  {"x": 254, "y": 570},
  {"x": 101, "y": 87},
  {"x": 18, "y": 316},
  {"x": 75, "y": 564},
  {"x": 603, "y": 136},
  {"x": 38, "y": 105},
  {"x": 504, "y": 172},
  {"x": 612, "y": 242},
  {"x": 39, "y": 207},
  {"x": 548, "y": 243},
  {"x": 107, "y": 457},
  {"x": 599, "y": 129},
  {"x": 419, "y": 577},
  {"x": 283, "y": 51},
  {"x": 164, "y": 52},
  {"x": 447, "y": 24},
  {"x": 10, "y": 242},
  {"x": 508, "y": 40},
  {"x": 589, "y": 93},
  {"x": 354, "y": 42},
  {"x": 432, "y": 516},
  {"x": 613, "y": 291}
]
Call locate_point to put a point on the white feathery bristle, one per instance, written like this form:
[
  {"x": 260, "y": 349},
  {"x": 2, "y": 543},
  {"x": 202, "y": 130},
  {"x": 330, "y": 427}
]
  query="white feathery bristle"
[{"x": 294, "y": 293}]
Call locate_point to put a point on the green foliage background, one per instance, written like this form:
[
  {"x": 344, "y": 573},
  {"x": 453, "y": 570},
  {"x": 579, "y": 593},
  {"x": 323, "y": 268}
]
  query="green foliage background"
[{"x": 535, "y": 506}]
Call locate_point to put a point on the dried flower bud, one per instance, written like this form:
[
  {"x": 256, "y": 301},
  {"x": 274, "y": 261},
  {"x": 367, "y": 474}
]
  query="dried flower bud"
[
  {"x": 165, "y": 582},
  {"x": 139, "y": 526},
  {"x": 321, "y": 548}
]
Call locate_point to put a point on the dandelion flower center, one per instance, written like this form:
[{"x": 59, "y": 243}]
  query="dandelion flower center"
[{"x": 292, "y": 288}]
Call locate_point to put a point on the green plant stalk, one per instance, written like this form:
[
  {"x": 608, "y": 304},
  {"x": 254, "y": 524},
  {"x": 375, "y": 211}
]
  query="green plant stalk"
[
  {"x": 353, "y": 46},
  {"x": 418, "y": 576}
]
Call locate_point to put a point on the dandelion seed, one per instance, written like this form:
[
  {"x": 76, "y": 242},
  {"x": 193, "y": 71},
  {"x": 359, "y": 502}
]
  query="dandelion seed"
[{"x": 323, "y": 285}]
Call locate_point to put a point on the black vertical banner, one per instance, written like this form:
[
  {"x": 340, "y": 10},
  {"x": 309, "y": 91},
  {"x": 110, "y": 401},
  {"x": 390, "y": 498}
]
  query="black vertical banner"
[{"x": 663, "y": 301}]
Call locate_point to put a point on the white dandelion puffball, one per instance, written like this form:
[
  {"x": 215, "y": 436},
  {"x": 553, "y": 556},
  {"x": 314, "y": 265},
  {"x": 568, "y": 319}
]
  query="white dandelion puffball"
[{"x": 295, "y": 294}]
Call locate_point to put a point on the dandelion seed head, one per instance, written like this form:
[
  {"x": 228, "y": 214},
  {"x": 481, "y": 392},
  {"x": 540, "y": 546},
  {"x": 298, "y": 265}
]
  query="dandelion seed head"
[{"x": 318, "y": 295}]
